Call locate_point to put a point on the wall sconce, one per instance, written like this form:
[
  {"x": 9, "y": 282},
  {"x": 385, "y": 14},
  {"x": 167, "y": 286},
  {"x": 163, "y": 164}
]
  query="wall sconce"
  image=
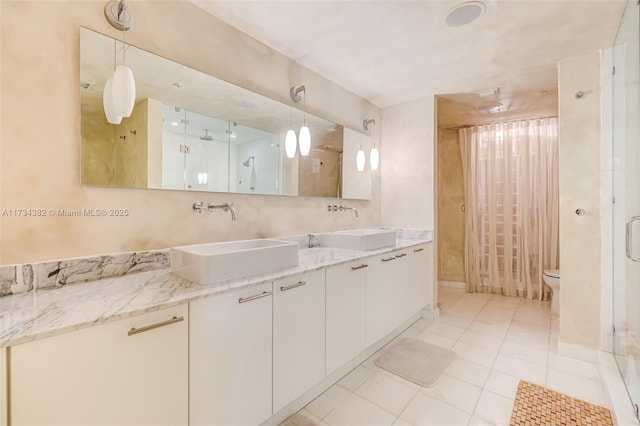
[
  {"x": 305, "y": 134},
  {"x": 374, "y": 155},
  {"x": 122, "y": 83}
]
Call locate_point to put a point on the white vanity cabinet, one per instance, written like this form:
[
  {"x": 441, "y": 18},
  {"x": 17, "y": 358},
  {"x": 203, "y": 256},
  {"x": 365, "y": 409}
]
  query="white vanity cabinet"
[
  {"x": 382, "y": 296},
  {"x": 345, "y": 310},
  {"x": 420, "y": 260},
  {"x": 132, "y": 371},
  {"x": 298, "y": 335},
  {"x": 403, "y": 283},
  {"x": 230, "y": 381}
]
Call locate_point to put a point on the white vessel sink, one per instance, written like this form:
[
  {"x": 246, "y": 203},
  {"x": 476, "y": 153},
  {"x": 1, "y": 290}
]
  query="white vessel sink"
[
  {"x": 212, "y": 263},
  {"x": 360, "y": 239}
]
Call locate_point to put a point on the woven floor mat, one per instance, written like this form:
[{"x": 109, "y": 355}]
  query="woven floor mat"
[{"x": 537, "y": 405}]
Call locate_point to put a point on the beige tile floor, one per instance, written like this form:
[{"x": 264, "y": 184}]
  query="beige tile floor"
[{"x": 498, "y": 341}]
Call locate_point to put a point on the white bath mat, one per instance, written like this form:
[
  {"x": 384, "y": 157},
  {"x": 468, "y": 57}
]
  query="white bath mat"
[{"x": 419, "y": 362}]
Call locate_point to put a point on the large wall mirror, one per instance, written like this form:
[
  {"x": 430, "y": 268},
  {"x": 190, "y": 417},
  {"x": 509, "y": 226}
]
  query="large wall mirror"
[{"x": 194, "y": 132}]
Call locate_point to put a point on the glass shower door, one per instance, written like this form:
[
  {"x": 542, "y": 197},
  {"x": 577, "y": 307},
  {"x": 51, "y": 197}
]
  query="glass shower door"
[{"x": 626, "y": 207}]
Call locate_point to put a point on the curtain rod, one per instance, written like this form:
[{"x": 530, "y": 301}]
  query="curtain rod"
[{"x": 498, "y": 122}]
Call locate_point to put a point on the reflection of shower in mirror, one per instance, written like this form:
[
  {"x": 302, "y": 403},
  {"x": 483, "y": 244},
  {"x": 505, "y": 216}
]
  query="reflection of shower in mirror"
[
  {"x": 246, "y": 162},
  {"x": 206, "y": 136}
]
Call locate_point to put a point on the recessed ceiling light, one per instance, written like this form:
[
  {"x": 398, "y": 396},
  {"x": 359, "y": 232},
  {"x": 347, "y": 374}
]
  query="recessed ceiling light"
[
  {"x": 174, "y": 123},
  {"x": 465, "y": 13}
]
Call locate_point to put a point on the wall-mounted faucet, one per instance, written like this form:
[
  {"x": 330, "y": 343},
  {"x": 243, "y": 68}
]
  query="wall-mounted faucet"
[
  {"x": 343, "y": 208},
  {"x": 198, "y": 206},
  {"x": 335, "y": 208},
  {"x": 227, "y": 207}
]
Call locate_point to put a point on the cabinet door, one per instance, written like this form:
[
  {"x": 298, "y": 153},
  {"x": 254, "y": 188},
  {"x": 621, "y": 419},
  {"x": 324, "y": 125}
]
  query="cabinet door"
[
  {"x": 421, "y": 261},
  {"x": 382, "y": 292},
  {"x": 105, "y": 375},
  {"x": 345, "y": 308},
  {"x": 230, "y": 358},
  {"x": 403, "y": 284},
  {"x": 298, "y": 335}
]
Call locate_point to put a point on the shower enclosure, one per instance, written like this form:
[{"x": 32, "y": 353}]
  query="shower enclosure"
[{"x": 626, "y": 200}]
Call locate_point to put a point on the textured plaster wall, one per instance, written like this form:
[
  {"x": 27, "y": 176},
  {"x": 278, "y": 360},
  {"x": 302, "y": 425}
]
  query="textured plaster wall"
[
  {"x": 450, "y": 198},
  {"x": 40, "y": 135},
  {"x": 580, "y": 182},
  {"x": 407, "y": 161}
]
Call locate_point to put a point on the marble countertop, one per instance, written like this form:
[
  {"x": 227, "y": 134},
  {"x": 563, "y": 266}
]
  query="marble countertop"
[{"x": 34, "y": 315}]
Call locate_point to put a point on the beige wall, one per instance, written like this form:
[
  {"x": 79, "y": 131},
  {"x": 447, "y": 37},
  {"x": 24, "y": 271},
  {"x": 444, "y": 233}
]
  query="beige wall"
[
  {"x": 407, "y": 162},
  {"x": 580, "y": 182},
  {"x": 450, "y": 198},
  {"x": 40, "y": 146}
]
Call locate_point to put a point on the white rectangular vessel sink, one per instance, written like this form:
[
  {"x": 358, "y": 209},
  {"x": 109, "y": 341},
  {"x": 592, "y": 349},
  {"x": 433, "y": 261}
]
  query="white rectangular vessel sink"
[
  {"x": 216, "y": 262},
  {"x": 360, "y": 239}
]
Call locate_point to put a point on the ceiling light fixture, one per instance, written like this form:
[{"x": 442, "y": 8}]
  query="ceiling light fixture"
[
  {"x": 305, "y": 134},
  {"x": 488, "y": 92},
  {"x": 491, "y": 108},
  {"x": 123, "y": 85},
  {"x": 374, "y": 155},
  {"x": 465, "y": 13}
]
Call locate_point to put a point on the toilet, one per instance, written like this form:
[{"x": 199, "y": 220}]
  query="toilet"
[{"x": 552, "y": 279}]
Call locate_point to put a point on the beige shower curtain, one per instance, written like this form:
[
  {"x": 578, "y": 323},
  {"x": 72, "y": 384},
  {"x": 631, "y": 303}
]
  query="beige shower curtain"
[{"x": 511, "y": 197}]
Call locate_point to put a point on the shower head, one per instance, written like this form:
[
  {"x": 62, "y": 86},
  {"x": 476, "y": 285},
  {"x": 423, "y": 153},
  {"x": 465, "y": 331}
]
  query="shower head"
[
  {"x": 206, "y": 136},
  {"x": 246, "y": 162}
]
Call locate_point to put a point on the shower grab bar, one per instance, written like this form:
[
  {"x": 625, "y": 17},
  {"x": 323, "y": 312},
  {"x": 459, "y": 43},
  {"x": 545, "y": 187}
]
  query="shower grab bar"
[{"x": 629, "y": 238}]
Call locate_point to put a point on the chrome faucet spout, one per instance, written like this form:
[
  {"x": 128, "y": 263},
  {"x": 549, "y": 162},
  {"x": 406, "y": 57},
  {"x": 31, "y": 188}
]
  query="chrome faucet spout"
[
  {"x": 227, "y": 207},
  {"x": 343, "y": 208}
]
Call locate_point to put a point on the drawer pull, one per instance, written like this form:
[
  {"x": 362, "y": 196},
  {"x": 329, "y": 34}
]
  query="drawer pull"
[
  {"x": 355, "y": 268},
  {"x": 289, "y": 287},
  {"x": 254, "y": 297},
  {"x": 388, "y": 259},
  {"x": 401, "y": 255},
  {"x": 153, "y": 326},
  {"x": 417, "y": 250}
]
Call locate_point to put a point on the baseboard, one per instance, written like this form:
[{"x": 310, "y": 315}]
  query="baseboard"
[
  {"x": 578, "y": 352},
  {"x": 453, "y": 284},
  {"x": 616, "y": 392},
  {"x": 430, "y": 313}
]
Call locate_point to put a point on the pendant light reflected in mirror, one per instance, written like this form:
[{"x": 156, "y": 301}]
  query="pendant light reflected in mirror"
[
  {"x": 360, "y": 158},
  {"x": 374, "y": 155},
  {"x": 290, "y": 141}
]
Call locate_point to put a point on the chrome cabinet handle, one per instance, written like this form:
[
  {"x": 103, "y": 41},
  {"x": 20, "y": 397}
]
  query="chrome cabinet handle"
[
  {"x": 401, "y": 255},
  {"x": 289, "y": 287},
  {"x": 417, "y": 250},
  {"x": 389, "y": 259},
  {"x": 154, "y": 326},
  {"x": 355, "y": 268},
  {"x": 254, "y": 297},
  {"x": 629, "y": 238}
]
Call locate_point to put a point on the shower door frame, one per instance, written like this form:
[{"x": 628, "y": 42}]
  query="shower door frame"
[{"x": 626, "y": 201}]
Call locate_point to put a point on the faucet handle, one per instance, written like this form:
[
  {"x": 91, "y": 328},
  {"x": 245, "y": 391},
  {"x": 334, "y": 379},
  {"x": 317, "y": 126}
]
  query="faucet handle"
[{"x": 198, "y": 206}]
